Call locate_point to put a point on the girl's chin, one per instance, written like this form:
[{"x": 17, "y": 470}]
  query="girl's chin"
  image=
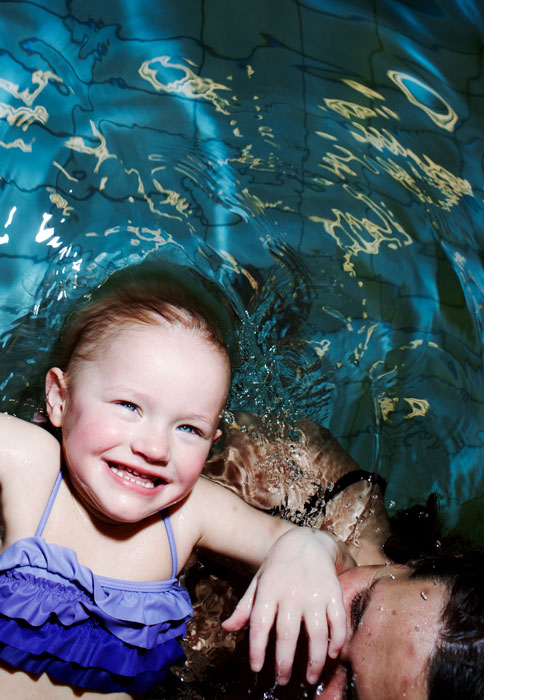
[
  {"x": 123, "y": 509},
  {"x": 123, "y": 501}
]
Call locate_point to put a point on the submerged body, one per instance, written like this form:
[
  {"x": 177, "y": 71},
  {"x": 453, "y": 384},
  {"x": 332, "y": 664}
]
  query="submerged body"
[
  {"x": 139, "y": 411},
  {"x": 303, "y": 473}
]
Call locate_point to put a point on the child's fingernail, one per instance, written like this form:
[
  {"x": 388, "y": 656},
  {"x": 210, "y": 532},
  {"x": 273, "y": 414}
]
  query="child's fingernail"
[{"x": 281, "y": 679}]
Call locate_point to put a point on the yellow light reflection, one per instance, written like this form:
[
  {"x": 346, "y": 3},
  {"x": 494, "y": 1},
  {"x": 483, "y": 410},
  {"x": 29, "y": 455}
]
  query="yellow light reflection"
[
  {"x": 190, "y": 84},
  {"x": 419, "y": 407},
  {"x": 18, "y": 143},
  {"x": 101, "y": 153},
  {"x": 445, "y": 120},
  {"x": 355, "y": 235},
  {"x": 23, "y": 117},
  {"x": 238, "y": 269},
  {"x": 39, "y": 77}
]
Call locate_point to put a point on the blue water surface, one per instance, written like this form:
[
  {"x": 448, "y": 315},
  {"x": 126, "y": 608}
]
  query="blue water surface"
[{"x": 321, "y": 161}]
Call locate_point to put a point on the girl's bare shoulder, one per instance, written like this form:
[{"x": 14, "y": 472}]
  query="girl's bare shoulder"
[{"x": 25, "y": 444}]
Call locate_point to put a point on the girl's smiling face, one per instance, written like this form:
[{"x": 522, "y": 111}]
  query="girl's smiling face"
[{"x": 139, "y": 419}]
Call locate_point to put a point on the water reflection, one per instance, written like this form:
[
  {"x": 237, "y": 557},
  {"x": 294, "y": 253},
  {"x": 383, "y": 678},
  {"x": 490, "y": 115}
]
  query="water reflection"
[{"x": 319, "y": 164}]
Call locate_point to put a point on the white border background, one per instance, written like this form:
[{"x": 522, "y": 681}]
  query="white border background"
[{"x": 509, "y": 343}]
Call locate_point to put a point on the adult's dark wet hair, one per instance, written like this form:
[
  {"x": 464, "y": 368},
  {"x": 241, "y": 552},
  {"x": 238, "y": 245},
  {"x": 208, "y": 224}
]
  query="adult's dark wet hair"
[
  {"x": 144, "y": 294},
  {"x": 456, "y": 668},
  {"x": 418, "y": 531}
]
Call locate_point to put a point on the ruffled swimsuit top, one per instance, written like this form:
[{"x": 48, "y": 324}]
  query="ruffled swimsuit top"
[{"x": 102, "y": 634}]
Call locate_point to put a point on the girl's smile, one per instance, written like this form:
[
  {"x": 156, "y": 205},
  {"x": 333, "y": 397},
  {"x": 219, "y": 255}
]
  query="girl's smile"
[
  {"x": 134, "y": 479},
  {"x": 137, "y": 427}
]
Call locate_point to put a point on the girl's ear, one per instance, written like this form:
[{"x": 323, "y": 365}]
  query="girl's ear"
[{"x": 56, "y": 395}]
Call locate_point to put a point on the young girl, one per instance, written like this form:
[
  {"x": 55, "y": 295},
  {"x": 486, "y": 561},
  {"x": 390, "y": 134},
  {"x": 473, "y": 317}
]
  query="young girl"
[{"x": 99, "y": 525}]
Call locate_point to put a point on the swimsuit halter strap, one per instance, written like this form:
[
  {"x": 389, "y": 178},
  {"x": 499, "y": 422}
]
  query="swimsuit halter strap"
[
  {"x": 164, "y": 515},
  {"x": 172, "y": 543},
  {"x": 48, "y": 508}
]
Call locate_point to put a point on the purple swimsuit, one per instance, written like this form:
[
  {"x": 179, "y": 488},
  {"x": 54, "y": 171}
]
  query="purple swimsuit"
[{"x": 99, "y": 633}]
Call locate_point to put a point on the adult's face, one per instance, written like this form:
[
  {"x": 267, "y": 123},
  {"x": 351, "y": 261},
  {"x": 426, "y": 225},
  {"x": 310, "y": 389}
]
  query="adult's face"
[{"x": 394, "y": 623}]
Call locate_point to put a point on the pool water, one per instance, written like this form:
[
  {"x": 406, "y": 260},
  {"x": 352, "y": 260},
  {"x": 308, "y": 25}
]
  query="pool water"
[{"x": 321, "y": 161}]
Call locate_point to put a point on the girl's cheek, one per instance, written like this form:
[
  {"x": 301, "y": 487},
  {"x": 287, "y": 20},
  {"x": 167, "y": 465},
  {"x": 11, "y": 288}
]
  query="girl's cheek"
[
  {"x": 99, "y": 432},
  {"x": 193, "y": 471}
]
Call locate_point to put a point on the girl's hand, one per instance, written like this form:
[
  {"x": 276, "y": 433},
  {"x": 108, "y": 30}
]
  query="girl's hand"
[{"x": 296, "y": 583}]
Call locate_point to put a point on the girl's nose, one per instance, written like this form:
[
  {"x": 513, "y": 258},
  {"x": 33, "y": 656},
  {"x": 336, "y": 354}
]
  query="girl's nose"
[{"x": 152, "y": 444}]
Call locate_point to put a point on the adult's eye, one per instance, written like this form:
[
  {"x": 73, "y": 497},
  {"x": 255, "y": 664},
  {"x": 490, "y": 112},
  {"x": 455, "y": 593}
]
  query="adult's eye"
[{"x": 356, "y": 612}]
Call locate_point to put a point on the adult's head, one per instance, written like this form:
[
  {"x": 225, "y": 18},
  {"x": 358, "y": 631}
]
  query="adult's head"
[{"x": 416, "y": 631}]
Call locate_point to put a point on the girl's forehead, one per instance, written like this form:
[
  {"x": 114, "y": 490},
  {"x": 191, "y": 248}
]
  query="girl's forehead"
[
  {"x": 164, "y": 338},
  {"x": 162, "y": 354},
  {"x": 155, "y": 340},
  {"x": 160, "y": 332}
]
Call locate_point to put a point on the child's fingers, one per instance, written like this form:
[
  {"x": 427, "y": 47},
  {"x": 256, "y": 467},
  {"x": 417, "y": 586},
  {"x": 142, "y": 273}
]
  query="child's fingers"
[
  {"x": 317, "y": 628},
  {"x": 239, "y": 618},
  {"x": 287, "y": 633},
  {"x": 261, "y": 621},
  {"x": 337, "y": 619}
]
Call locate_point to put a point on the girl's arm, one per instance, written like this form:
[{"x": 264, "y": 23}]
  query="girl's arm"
[{"x": 296, "y": 581}]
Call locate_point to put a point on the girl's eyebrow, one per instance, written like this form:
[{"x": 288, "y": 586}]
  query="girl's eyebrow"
[{"x": 197, "y": 417}]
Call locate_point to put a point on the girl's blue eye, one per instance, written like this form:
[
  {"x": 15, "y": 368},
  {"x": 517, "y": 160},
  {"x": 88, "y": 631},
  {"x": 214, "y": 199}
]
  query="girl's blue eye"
[
  {"x": 189, "y": 429},
  {"x": 128, "y": 405}
]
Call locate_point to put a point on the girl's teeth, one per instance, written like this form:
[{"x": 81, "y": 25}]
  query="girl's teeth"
[{"x": 130, "y": 476}]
